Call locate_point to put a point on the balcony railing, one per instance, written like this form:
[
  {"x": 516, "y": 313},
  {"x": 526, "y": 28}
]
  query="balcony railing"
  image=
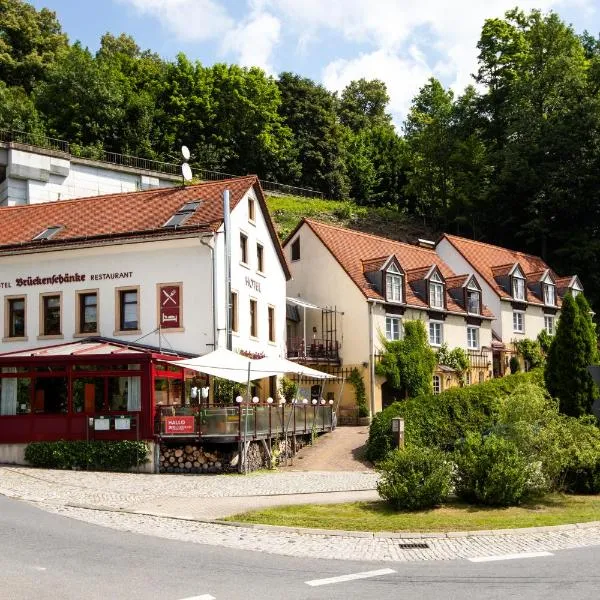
[
  {"x": 314, "y": 349},
  {"x": 480, "y": 359},
  {"x": 249, "y": 421}
]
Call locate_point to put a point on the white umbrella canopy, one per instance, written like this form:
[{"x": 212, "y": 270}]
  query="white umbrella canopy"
[
  {"x": 282, "y": 365},
  {"x": 227, "y": 365},
  {"x": 233, "y": 366}
]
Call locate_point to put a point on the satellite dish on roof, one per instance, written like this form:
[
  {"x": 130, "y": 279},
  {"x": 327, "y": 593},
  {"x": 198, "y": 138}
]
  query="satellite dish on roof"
[
  {"x": 185, "y": 152},
  {"x": 186, "y": 172}
]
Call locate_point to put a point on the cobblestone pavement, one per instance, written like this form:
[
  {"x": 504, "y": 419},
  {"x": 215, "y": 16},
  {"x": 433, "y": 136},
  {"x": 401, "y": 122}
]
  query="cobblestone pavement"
[{"x": 113, "y": 496}]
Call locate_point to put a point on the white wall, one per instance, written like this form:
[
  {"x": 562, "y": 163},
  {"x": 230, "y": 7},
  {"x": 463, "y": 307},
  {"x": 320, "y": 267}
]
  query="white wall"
[
  {"x": 145, "y": 265},
  {"x": 455, "y": 260},
  {"x": 319, "y": 279},
  {"x": 32, "y": 178}
]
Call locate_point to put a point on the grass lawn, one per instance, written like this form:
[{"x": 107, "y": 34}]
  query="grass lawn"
[{"x": 377, "y": 516}]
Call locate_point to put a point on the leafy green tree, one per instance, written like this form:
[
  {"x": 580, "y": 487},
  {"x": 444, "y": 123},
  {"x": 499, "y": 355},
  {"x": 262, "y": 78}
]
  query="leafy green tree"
[
  {"x": 17, "y": 110},
  {"x": 31, "y": 42},
  {"x": 91, "y": 107},
  {"x": 572, "y": 350},
  {"x": 310, "y": 111},
  {"x": 408, "y": 364},
  {"x": 363, "y": 105}
]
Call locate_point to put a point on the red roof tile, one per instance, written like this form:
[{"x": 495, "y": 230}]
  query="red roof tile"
[
  {"x": 491, "y": 261},
  {"x": 353, "y": 249},
  {"x": 123, "y": 215}
]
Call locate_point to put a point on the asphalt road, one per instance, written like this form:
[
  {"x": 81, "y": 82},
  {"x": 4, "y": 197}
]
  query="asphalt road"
[{"x": 45, "y": 556}]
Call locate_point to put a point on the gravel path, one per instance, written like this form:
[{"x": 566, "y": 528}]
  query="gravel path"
[{"x": 340, "y": 450}]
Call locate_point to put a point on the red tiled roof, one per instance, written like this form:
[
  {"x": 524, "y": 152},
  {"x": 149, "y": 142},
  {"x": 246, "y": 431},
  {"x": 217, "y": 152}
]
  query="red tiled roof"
[
  {"x": 352, "y": 249},
  {"x": 124, "y": 215},
  {"x": 456, "y": 282},
  {"x": 491, "y": 261},
  {"x": 374, "y": 264}
]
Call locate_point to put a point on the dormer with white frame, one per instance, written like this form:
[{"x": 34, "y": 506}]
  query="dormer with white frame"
[
  {"x": 518, "y": 289},
  {"x": 436, "y": 289}
]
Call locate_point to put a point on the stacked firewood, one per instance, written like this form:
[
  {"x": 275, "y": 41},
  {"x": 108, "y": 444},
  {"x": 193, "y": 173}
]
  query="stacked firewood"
[{"x": 194, "y": 459}]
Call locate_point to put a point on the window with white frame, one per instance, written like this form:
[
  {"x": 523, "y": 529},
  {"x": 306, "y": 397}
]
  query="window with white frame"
[
  {"x": 437, "y": 384},
  {"x": 392, "y": 328},
  {"x": 473, "y": 338},
  {"x": 435, "y": 333},
  {"x": 393, "y": 284},
  {"x": 473, "y": 301},
  {"x": 518, "y": 322},
  {"x": 549, "y": 324},
  {"x": 549, "y": 294},
  {"x": 518, "y": 287},
  {"x": 436, "y": 291}
]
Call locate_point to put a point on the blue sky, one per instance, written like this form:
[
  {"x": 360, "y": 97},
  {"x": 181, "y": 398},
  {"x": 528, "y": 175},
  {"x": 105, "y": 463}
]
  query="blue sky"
[{"x": 402, "y": 42}]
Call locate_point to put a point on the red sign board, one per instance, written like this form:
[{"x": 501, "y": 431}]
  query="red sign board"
[
  {"x": 170, "y": 307},
  {"x": 179, "y": 425}
]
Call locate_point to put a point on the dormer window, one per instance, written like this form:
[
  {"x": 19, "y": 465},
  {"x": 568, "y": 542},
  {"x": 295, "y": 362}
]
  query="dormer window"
[
  {"x": 473, "y": 302},
  {"x": 393, "y": 284},
  {"x": 436, "y": 291},
  {"x": 549, "y": 294},
  {"x": 518, "y": 284}
]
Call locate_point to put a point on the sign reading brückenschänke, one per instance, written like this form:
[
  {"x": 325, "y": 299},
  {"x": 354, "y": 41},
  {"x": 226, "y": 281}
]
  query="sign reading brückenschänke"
[{"x": 57, "y": 279}]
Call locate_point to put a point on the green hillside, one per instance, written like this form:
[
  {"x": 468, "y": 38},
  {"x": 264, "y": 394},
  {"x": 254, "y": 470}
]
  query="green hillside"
[{"x": 287, "y": 211}]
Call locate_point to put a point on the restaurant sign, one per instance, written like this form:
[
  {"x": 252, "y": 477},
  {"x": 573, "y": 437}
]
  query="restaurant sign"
[
  {"x": 179, "y": 425},
  {"x": 170, "y": 306}
]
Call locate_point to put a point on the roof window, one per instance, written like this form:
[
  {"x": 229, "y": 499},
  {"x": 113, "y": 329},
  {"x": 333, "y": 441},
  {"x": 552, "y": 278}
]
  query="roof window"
[
  {"x": 183, "y": 214},
  {"x": 48, "y": 233}
]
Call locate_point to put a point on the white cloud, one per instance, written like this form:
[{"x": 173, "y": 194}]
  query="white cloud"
[
  {"x": 410, "y": 41},
  {"x": 253, "y": 40},
  {"x": 188, "y": 20},
  {"x": 402, "y": 75}
]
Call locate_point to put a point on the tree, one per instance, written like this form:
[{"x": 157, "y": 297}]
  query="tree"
[
  {"x": 309, "y": 110},
  {"x": 17, "y": 111},
  {"x": 91, "y": 107},
  {"x": 363, "y": 104},
  {"x": 30, "y": 43},
  {"x": 408, "y": 364},
  {"x": 572, "y": 350}
]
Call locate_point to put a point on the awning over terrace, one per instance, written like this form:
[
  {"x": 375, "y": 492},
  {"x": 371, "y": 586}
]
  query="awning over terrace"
[{"x": 236, "y": 367}]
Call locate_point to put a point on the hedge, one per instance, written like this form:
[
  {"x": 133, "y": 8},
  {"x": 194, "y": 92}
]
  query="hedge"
[
  {"x": 441, "y": 420},
  {"x": 95, "y": 455}
]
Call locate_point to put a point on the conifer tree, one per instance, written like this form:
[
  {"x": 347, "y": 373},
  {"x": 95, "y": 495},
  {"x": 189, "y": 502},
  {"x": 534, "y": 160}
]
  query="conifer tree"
[{"x": 572, "y": 350}]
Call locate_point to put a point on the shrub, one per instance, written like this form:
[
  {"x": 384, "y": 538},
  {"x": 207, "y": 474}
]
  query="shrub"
[
  {"x": 580, "y": 439},
  {"x": 441, "y": 420},
  {"x": 360, "y": 393},
  {"x": 96, "y": 455},
  {"x": 514, "y": 365},
  {"x": 491, "y": 470},
  {"x": 414, "y": 478},
  {"x": 288, "y": 389}
]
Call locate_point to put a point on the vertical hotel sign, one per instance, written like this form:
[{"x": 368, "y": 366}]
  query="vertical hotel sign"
[{"x": 170, "y": 306}]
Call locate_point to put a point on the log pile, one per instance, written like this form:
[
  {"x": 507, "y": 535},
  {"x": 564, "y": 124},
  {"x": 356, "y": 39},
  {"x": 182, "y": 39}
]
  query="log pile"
[{"x": 192, "y": 458}]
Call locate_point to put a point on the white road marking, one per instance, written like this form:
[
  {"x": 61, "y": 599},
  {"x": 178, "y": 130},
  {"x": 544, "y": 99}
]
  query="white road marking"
[
  {"x": 40, "y": 568},
  {"x": 203, "y": 597},
  {"x": 351, "y": 577},
  {"x": 510, "y": 556}
]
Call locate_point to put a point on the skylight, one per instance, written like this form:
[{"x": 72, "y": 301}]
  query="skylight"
[
  {"x": 48, "y": 233},
  {"x": 183, "y": 214}
]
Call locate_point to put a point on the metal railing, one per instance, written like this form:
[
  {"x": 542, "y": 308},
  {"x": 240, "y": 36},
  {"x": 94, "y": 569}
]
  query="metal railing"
[
  {"x": 317, "y": 349},
  {"x": 35, "y": 140},
  {"x": 479, "y": 359},
  {"x": 249, "y": 421}
]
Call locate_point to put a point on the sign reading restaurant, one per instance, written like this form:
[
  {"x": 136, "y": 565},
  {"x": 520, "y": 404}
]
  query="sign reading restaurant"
[{"x": 33, "y": 280}]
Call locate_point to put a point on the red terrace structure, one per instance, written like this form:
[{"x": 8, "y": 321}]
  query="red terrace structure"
[
  {"x": 101, "y": 389},
  {"x": 91, "y": 389}
]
